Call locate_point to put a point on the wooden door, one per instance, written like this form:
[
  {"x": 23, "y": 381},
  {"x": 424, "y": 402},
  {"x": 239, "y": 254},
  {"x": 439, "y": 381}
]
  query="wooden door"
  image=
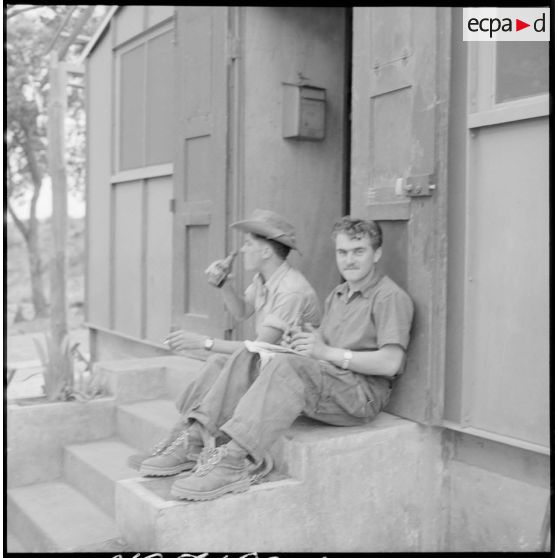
[
  {"x": 200, "y": 184},
  {"x": 398, "y": 175}
]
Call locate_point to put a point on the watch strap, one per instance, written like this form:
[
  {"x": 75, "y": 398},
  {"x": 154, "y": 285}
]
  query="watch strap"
[{"x": 347, "y": 357}]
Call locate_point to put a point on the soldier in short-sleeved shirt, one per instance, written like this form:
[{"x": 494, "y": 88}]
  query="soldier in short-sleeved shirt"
[
  {"x": 278, "y": 298},
  {"x": 285, "y": 298},
  {"x": 379, "y": 314}
]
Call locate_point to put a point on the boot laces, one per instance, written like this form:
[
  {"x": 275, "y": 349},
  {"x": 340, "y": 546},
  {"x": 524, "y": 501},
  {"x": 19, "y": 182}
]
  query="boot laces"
[
  {"x": 179, "y": 441},
  {"x": 208, "y": 460},
  {"x": 169, "y": 444}
]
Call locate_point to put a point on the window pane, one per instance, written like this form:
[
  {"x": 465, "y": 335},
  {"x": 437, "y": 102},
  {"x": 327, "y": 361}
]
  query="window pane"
[
  {"x": 521, "y": 70},
  {"x": 132, "y": 109},
  {"x": 160, "y": 86}
]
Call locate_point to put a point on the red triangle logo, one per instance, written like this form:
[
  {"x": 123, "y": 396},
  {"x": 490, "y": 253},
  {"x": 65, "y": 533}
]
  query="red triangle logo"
[{"x": 519, "y": 25}]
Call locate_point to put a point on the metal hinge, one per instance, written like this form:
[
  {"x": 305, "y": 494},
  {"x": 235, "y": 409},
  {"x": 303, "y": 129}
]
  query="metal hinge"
[
  {"x": 420, "y": 185},
  {"x": 172, "y": 205}
]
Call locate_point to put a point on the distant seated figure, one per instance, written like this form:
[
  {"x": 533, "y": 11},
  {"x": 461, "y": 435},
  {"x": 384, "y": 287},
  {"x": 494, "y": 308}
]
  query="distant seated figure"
[{"x": 279, "y": 298}]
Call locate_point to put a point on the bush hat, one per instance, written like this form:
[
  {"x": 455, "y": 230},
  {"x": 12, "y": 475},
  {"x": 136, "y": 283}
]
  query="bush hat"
[{"x": 270, "y": 225}]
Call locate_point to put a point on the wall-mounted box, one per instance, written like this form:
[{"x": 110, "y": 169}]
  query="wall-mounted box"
[{"x": 304, "y": 112}]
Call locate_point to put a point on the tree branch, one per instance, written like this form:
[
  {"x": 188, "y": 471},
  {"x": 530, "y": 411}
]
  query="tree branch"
[
  {"x": 25, "y": 143},
  {"x": 83, "y": 18},
  {"x": 16, "y": 12},
  {"x": 27, "y": 147},
  {"x": 61, "y": 26},
  {"x": 18, "y": 222}
]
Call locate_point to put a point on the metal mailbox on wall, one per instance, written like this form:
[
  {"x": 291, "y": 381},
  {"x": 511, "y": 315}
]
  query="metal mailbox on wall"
[{"x": 304, "y": 112}]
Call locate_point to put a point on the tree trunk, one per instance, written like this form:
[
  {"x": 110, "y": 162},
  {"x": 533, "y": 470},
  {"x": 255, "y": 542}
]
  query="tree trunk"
[
  {"x": 30, "y": 234},
  {"x": 35, "y": 269}
]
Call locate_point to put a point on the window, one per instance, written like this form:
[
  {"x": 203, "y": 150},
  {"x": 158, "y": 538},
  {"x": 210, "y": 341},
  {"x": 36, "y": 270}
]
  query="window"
[
  {"x": 521, "y": 70},
  {"x": 508, "y": 81},
  {"x": 146, "y": 103}
]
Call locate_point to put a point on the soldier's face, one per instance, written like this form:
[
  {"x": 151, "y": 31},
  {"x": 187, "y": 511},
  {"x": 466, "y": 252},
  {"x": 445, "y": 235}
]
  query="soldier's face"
[
  {"x": 252, "y": 252},
  {"x": 356, "y": 258}
]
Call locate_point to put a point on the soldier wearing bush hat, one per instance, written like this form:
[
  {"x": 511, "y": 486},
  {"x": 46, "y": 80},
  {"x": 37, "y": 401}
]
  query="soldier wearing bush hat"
[{"x": 279, "y": 298}]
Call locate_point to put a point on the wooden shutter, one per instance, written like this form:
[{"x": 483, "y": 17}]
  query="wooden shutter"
[
  {"x": 200, "y": 165},
  {"x": 398, "y": 156}
]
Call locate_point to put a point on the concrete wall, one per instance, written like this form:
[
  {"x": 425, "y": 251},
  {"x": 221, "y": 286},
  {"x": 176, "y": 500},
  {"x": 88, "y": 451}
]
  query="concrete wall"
[
  {"x": 496, "y": 495},
  {"x": 37, "y": 434}
]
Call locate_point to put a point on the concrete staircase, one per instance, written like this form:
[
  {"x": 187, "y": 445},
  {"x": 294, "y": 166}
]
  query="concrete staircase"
[
  {"x": 332, "y": 489},
  {"x": 74, "y": 511}
]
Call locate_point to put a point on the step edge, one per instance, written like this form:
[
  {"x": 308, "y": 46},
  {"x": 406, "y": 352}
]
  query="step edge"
[
  {"x": 102, "y": 495},
  {"x": 48, "y": 539}
]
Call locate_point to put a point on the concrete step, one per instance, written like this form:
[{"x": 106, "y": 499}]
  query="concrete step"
[
  {"x": 148, "y": 378},
  {"x": 13, "y": 544},
  {"x": 152, "y": 518},
  {"x": 94, "y": 468},
  {"x": 331, "y": 504},
  {"x": 38, "y": 433},
  {"x": 144, "y": 424},
  {"x": 55, "y": 517}
]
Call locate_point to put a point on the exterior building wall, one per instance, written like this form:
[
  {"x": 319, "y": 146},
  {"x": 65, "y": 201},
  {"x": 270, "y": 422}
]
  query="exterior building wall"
[
  {"x": 98, "y": 233},
  {"x": 497, "y": 377},
  {"x": 129, "y": 225},
  {"x": 496, "y": 495}
]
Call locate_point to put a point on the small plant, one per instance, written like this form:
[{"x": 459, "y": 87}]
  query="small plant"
[
  {"x": 58, "y": 370},
  {"x": 67, "y": 373},
  {"x": 89, "y": 384}
]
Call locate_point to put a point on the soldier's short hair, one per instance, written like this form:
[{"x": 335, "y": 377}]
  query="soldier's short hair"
[{"x": 357, "y": 228}]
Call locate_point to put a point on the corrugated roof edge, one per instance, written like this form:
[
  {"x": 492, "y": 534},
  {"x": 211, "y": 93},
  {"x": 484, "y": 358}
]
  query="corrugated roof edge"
[{"x": 98, "y": 34}]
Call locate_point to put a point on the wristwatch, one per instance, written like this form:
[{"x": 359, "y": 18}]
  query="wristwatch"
[
  {"x": 347, "y": 357},
  {"x": 208, "y": 343}
]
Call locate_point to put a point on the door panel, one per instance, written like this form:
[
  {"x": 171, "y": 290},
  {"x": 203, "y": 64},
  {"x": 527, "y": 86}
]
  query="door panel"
[
  {"x": 400, "y": 93},
  {"x": 200, "y": 186},
  {"x": 506, "y": 348}
]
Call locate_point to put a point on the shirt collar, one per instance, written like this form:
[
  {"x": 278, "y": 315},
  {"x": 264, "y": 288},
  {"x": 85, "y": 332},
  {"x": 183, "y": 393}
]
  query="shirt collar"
[
  {"x": 276, "y": 276},
  {"x": 365, "y": 288}
]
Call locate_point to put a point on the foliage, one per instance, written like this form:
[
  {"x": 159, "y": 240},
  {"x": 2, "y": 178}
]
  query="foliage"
[
  {"x": 30, "y": 34},
  {"x": 58, "y": 367},
  {"x": 78, "y": 382},
  {"x": 28, "y": 38},
  {"x": 89, "y": 383}
]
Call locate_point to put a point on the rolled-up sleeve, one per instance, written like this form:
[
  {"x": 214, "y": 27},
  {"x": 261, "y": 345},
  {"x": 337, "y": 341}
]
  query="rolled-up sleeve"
[
  {"x": 285, "y": 309},
  {"x": 393, "y": 316}
]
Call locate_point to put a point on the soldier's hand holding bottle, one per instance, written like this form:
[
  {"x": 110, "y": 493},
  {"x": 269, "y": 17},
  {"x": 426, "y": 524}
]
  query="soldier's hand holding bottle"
[{"x": 218, "y": 272}]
